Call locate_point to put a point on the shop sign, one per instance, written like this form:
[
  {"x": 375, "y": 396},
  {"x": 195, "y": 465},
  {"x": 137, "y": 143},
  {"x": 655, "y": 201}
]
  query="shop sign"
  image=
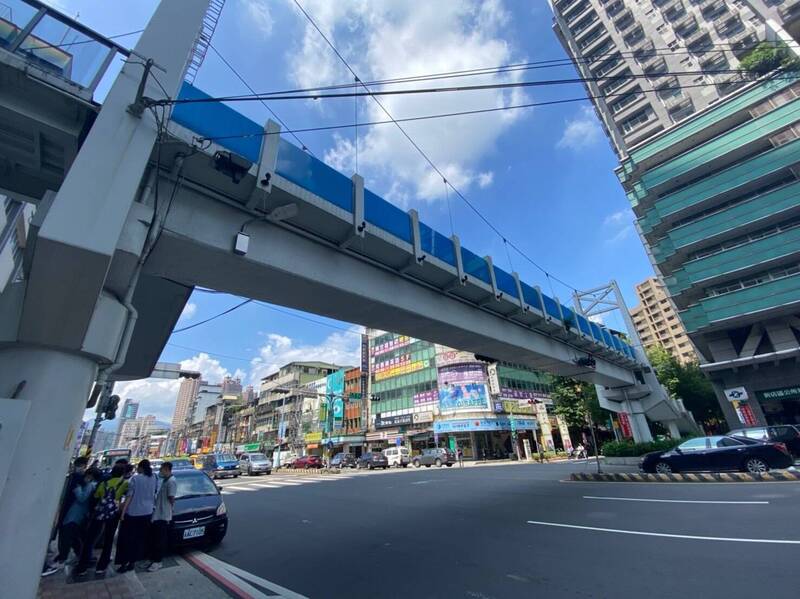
[
  {"x": 399, "y": 366},
  {"x": 446, "y": 356},
  {"x": 509, "y": 393},
  {"x": 364, "y": 354},
  {"x": 784, "y": 394},
  {"x": 463, "y": 396},
  {"x": 387, "y": 421},
  {"x": 424, "y": 397},
  {"x": 494, "y": 380},
  {"x": 399, "y": 341},
  {"x": 315, "y": 437},
  {"x": 248, "y": 447},
  {"x": 625, "y": 425},
  {"x": 420, "y": 417},
  {"x": 736, "y": 394},
  {"x": 483, "y": 424},
  {"x": 461, "y": 373}
]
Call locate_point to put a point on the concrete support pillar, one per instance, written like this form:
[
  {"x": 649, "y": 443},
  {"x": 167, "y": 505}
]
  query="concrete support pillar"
[
  {"x": 57, "y": 385},
  {"x": 640, "y": 428},
  {"x": 673, "y": 429}
]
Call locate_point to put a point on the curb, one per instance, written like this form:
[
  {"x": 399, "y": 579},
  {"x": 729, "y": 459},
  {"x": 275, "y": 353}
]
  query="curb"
[{"x": 700, "y": 477}]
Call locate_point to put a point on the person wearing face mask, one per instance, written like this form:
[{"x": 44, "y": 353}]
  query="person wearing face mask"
[
  {"x": 162, "y": 515},
  {"x": 134, "y": 518}
]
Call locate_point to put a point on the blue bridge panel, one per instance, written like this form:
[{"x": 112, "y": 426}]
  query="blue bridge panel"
[
  {"x": 436, "y": 244},
  {"x": 597, "y": 332},
  {"x": 387, "y": 216},
  {"x": 583, "y": 325},
  {"x": 531, "y": 297},
  {"x": 314, "y": 175},
  {"x": 214, "y": 119},
  {"x": 569, "y": 317},
  {"x": 505, "y": 282},
  {"x": 551, "y": 307},
  {"x": 475, "y": 266},
  {"x": 608, "y": 338}
]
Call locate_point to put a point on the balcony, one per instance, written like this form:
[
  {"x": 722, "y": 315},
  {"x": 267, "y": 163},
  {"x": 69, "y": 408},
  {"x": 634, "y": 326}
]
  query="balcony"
[
  {"x": 698, "y": 40},
  {"x": 686, "y": 25},
  {"x": 713, "y": 60},
  {"x": 678, "y": 102},
  {"x": 589, "y": 43},
  {"x": 584, "y": 26},
  {"x": 789, "y": 11},
  {"x": 772, "y": 204},
  {"x": 573, "y": 9},
  {"x": 728, "y": 26},
  {"x": 726, "y": 263},
  {"x": 580, "y": 10},
  {"x": 644, "y": 48},
  {"x": 673, "y": 10},
  {"x": 711, "y": 9},
  {"x": 742, "y": 42},
  {"x": 742, "y": 175},
  {"x": 622, "y": 18},
  {"x": 752, "y": 302},
  {"x": 654, "y": 65}
]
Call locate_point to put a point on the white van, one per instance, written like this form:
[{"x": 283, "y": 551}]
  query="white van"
[{"x": 398, "y": 456}]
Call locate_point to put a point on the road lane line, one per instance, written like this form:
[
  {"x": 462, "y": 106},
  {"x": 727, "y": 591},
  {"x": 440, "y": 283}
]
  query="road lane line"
[
  {"x": 265, "y": 486},
  {"x": 665, "y": 535},
  {"x": 676, "y": 500},
  {"x": 283, "y": 483},
  {"x": 235, "y": 488},
  {"x": 223, "y": 492}
]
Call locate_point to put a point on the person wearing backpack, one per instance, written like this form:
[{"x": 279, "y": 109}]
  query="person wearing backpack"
[{"x": 104, "y": 520}]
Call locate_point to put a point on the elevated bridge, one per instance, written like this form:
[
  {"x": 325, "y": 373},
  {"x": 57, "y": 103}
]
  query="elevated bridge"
[{"x": 133, "y": 213}]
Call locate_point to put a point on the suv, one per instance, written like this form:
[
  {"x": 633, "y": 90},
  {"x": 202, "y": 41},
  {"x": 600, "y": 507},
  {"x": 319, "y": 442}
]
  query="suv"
[
  {"x": 398, "y": 456},
  {"x": 254, "y": 463},
  {"x": 787, "y": 434},
  {"x": 371, "y": 460},
  {"x": 434, "y": 457},
  {"x": 343, "y": 460}
]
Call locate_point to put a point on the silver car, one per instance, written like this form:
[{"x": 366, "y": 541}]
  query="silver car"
[{"x": 254, "y": 463}]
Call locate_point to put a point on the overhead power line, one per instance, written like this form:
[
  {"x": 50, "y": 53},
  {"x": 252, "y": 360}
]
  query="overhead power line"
[
  {"x": 451, "y": 89},
  {"x": 425, "y": 156},
  {"x": 473, "y": 112},
  {"x": 223, "y": 313},
  {"x": 247, "y": 85},
  {"x": 521, "y": 66}
]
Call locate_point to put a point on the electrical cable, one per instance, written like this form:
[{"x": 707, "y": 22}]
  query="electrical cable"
[
  {"x": 480, "y": 110},
  {"x": 416, "y": 146},
  {"x": 457, "y": 88},
  {"x": 247, "y": 85},
  {"x": 223, "y": 313}
]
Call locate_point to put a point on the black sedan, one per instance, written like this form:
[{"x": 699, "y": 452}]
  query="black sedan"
[
  {"x": 200, "y": 515},
  {"x": 371, "y": 460},
  {"x": 718, "y": 453}
]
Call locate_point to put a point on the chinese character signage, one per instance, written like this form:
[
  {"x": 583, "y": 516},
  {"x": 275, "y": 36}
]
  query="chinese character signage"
[
  {"x": 387, "y": 421},
  {"x": 625, "y": 425},
  {"x": 396, "y": 343},
  {"x": 785, "y": 394}
]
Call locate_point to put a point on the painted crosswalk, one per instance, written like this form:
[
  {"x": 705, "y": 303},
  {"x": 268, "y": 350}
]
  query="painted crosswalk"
[{"x": 278, "y": 482}]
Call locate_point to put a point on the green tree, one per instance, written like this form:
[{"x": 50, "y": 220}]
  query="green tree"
[
  {"x": 687, "y": 382},
  {"x": 574, "y": 400},
  {"x": 768, "y": 56}
]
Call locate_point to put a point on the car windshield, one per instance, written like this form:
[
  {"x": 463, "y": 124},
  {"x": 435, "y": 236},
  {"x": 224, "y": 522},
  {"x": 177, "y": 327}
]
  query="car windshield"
[
  {"x": 181, "y": 464},
  {"x": 194, "y": 485},
  {"x": 257, "y": 457},
  {"x": 226, "y": 457}
]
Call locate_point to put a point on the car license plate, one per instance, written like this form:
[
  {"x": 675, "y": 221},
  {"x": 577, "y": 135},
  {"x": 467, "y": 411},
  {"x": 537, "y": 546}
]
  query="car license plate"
[{"x": 193, "y": 533}]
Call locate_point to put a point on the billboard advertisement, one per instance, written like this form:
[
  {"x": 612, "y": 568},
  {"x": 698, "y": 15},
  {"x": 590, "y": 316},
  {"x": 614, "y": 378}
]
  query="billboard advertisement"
[
  {"x": 446, "y": 356},
  {"x": 463, "y": 396}
]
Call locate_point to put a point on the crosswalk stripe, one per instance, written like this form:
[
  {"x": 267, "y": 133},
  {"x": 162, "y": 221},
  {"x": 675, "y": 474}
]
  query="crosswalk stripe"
[
  {"x": 284, "y": 483},
  {"x": 265, "y": 486},
  {"x": 224, "y": 492},
  {"x": 235, "y": 488}
]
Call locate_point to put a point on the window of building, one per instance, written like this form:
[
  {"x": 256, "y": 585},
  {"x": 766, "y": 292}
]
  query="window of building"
[
  {"x": 753, "y": 280},
  {"x": 636, "y": 121}
]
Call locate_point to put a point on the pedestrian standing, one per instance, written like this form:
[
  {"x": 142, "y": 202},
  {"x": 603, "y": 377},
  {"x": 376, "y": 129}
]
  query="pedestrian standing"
[
  {"x": 162, "y": 515},
  {"x": 460, "y": 455},
  {"x": 135, "y": 517},
  {"x": 77, "y": 501},
  {"x": 105, "y": 518}
]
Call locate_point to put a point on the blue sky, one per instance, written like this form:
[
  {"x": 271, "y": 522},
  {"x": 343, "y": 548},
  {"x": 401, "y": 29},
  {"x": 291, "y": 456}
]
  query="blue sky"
[{"x": 543, "y": 176}]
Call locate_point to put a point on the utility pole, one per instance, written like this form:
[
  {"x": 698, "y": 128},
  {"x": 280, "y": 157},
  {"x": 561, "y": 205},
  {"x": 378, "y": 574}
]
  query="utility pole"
[{"x": 594, "y": 438}]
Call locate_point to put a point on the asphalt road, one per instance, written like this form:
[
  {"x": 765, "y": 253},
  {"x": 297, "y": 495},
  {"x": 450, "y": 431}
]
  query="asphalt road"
[{"x": 489, "y": 532}]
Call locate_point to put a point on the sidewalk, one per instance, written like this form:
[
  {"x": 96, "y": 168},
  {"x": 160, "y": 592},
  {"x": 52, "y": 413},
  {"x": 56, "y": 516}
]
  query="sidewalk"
[{"x": 177, "y": 578}]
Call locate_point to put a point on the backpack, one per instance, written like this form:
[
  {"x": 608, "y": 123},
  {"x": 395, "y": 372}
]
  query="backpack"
[{"x": 107, "y": 508}]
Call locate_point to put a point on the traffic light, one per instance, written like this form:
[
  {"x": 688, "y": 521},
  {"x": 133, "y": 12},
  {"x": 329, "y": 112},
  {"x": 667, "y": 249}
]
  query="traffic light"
[{"x": 110, "y": 411}]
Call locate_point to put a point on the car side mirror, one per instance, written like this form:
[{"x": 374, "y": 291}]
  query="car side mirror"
[
  {"x": 219, "y": 487},
  {"x": 678, "y": 450}
]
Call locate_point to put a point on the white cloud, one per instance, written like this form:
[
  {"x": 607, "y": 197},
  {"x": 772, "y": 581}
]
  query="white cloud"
[
  {"x": 189, "y": 311},
  {"x": 257, "y": 13},
  {"x": 155, "y": 396},
  {"x": 598, "y": 318},
  {"x": 485, "y": 179},
  {"x": 384, "y": 39},
  {"x": 618, "y": 226},
  {"x": 339, "y": 348},
  {"x": 582, "y": 131}
]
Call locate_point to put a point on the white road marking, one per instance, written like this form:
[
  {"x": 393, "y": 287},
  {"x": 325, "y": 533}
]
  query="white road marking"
[
  {"x": 223, "y": 492},
  {"x": 265, "y": 486},
  {"x": 235, "y": 488},
  {"x": 425, "y": 482},
  {"x": 283, "y": 483},
  {"x": 666, "y": 535},
  {"x": 676, "y": 500}
]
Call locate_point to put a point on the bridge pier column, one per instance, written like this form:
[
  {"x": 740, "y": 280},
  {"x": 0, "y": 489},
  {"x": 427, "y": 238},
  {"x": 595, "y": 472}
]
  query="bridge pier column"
[
  {"x": 674, "y": 431},
  {"x": 57, "y": 384},
  {"x": 639, "y": 427}
]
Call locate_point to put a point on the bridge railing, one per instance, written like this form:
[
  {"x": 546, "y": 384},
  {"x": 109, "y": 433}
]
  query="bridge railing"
[
  {"x": 56, "y": 44},
  {"x": 217, "y": 122}
]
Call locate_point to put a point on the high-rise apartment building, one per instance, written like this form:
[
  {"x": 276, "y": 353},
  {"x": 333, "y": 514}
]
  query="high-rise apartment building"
[
  {"x": 231, "y": 386},
  {"x": 714, "y": 186},
  {"x": 657, "y": 322},
  {"x": 186, "y": 396},
  {"x": 652, "y": 63}
]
